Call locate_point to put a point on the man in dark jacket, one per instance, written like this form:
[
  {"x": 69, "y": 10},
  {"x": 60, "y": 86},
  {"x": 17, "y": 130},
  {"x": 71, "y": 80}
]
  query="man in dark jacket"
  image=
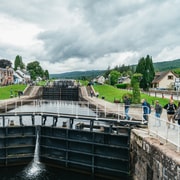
[
  {"x": 158, "y": 112},
  {"x": 171, "y": 109},
  {"x": 127, "y": 103}
]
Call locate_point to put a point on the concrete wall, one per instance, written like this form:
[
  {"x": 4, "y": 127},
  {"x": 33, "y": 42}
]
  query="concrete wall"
[{"x": 151, "y": 159}]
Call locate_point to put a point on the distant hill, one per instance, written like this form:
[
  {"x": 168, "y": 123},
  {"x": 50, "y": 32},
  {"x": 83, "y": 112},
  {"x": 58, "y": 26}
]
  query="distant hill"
[
  {"x": 167, "y": 65},
  {"x": 158, "y": 66},
  {"x": 78, "y": 74}
]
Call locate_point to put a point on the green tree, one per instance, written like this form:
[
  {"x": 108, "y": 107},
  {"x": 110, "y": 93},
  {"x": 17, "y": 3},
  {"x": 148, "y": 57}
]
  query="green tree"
[
  {"x": 35, "y": 70},
  {"x": 46, "y": 74},
  {"x": 146, "y": 68},
  {"x": 135, "y": 80},
  {"x": 107, "y": 72},
  {"x": 18, "y": 63},
  {"x": 113, "y": 77},
  {"x": 5, "y": 63}
]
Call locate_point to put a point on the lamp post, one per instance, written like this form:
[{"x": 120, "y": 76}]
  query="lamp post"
[
  {"x": 148, "y": 80},
  {"x": 177, "y": 86},
  {"x": 109, "y": 76}
]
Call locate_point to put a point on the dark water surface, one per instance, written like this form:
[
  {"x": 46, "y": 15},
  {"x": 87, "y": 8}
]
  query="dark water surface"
[{"x": 39, "y": 171}]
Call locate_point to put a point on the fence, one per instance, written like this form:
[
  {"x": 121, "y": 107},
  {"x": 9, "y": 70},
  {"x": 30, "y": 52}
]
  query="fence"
[
  {"x": 163, "y": 130},
  {"x": 171, "y": 134}
]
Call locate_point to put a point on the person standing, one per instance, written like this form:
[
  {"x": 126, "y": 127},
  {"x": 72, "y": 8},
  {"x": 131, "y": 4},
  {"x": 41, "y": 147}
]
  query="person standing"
[
  {"x": 158, "y": 112},
  {"x": 91, "y": 92},
  {"x": 146, "y": 109},
  {"x": 127, "y": 103},
  {"x": 171, "y": 109},
  {"x": 177, "y": 114}
]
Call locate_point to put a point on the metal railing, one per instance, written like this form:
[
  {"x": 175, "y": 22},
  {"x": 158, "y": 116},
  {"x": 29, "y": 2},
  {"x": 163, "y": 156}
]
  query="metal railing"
[
  {"x": 164, "y": 130},
  {"x": 72, "y": 107},
  {"x": 107, "y": 110}
]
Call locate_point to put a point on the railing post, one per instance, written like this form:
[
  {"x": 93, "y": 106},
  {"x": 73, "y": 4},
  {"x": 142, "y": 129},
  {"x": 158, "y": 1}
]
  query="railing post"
[
  {"x": 142, "y": 111},
  {"x": 76, "y": 109},
  {"x": 3, "y": 121},
  {"x": 118, "y": 110},
  {"x": 6, "y": 107},
  {"x": 97, "y": 111},
  {"x": 33, "y": 117},
  {"x": 167, "y": 130},
  {"x": 88, "y": 109},
  {"x": 178, "y": 144},
  {"x": 71, "y": 123},
  {"x": 91, "y": 125}
]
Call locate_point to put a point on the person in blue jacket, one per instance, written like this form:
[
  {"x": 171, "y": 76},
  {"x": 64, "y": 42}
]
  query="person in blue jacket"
[{"x": 146, "y": 109}]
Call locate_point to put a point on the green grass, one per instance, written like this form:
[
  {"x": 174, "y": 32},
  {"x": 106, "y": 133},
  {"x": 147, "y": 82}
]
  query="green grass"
[
  {"x": 83, "y": 83},
  {"x": 110, "y": 93},
  {"x": 41, "y": 83},
  {"x": 5, "y": 91}
]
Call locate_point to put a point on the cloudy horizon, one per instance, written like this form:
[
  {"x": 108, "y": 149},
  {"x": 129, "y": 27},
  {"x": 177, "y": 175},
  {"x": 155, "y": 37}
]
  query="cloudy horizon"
[{"x": 68, "y": 35}]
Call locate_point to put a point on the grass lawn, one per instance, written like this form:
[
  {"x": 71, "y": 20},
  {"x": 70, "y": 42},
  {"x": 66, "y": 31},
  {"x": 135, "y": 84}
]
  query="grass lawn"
[
  {"x": 5, "y": 91},
  {"x": 110, "y": 93}
]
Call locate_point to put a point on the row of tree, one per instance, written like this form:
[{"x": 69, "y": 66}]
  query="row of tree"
[
  {"x": 34, "y": 68},
  {"x": 141, "y": 76},
  {"x": 144, "y": 67}
]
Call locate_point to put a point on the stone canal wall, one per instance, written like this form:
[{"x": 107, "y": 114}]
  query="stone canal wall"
[{"x": 152, "y": 159}]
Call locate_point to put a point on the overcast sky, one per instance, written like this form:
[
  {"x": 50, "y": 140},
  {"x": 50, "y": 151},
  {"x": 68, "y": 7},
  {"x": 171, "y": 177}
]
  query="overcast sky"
[{"x": 71, "y": 35}]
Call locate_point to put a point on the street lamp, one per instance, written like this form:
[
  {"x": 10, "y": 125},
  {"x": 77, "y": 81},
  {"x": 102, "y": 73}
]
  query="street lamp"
[
  {"x": 109, "y": 76},
  {"x": 177, "y": 86},
  {"x": 147, "y": 79}
]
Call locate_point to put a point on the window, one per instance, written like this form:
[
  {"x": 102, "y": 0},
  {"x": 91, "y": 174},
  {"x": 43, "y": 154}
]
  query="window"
[{"x": 170, "y": 77}]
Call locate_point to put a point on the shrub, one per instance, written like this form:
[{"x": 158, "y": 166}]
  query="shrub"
[{"x": 123, "y": 86}]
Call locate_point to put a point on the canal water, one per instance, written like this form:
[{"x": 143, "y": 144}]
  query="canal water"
[
  {"x": 37, "y": 170},
  {"x": 40, "y": 172}
]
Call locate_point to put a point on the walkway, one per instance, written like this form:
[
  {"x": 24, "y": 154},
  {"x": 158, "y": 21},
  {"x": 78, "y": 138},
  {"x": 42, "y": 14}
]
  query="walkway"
[
  {"x": 162, "y": 133},
  {"x": 135, "y": 111}
]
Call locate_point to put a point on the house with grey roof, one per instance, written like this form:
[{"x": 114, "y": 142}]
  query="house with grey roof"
[{"x": 164, "y": 80}]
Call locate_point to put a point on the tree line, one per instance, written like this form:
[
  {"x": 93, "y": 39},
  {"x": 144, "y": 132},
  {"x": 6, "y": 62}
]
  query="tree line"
[
  {"x": 144, "y": 67},
  {"x": 33, "y": 68}
]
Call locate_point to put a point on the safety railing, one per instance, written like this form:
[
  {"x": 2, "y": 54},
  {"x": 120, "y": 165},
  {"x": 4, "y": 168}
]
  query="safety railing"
[
  {"x": 115, "y": 110},
  {"x": 164, "y": 130},
  {"x": 72, "y": 107}
]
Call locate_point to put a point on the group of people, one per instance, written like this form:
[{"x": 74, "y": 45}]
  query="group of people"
[{"x": 173, "y": 110}]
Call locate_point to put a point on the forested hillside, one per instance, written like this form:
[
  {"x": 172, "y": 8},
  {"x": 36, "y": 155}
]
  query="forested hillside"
[
  {"x": 78, "y": 74},
  {"x": 167, "y": 65},
  {"x": 158, "y": 66}
]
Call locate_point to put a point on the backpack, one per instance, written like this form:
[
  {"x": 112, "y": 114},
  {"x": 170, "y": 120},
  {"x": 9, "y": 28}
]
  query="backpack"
[
  {"x": 171, "y": 109},
  {"x": 148, "y": 105}
]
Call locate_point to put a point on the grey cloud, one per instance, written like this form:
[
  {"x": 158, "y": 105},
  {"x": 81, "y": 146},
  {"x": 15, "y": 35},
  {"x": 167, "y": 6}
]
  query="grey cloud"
[
  {"x": 111, "y": 27},
  {"x": 91, "y": 29}
]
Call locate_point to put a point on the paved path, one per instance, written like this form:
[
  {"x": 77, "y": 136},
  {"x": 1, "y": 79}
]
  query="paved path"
[
  {"x": 170, "y": 135},
  {"x": 135, "y": 111}
]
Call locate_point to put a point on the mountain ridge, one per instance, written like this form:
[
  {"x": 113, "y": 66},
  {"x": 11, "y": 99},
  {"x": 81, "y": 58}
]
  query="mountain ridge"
[{"x": 158, "y": 66}]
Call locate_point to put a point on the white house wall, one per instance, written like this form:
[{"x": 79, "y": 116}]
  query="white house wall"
[{"x": 167, "y": 83}]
